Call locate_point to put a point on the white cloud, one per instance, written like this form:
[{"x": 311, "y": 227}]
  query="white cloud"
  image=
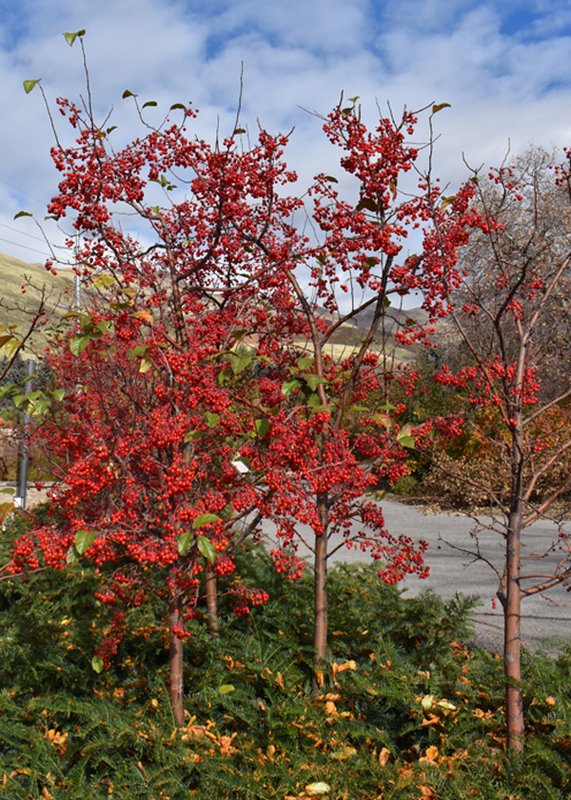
[{"x": 503, "y": 67}]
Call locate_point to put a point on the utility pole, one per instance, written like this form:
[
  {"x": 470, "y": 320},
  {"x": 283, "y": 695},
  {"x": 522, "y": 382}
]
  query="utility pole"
[
  {"x": 23, "y": 450},
  {"x": 77, "y": 292}
]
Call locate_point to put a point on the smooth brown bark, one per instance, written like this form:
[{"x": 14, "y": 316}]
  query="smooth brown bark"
[
  {"x": 176, "y": 661},
  {"x": 515, "y": 724},
  {"x": 320, "y": 610},
  {"x": 512, "y": 639},
  {"x": 212, "y": 602},
  {"x": 320, "y": 600}
]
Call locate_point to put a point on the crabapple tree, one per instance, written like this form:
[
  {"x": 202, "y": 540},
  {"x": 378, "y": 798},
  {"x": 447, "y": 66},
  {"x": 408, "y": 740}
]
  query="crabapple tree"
[{"x": 200, "y": 393}]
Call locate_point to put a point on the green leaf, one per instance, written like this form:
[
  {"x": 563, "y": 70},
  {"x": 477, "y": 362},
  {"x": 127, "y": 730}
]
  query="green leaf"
[
  {"x": 329, "y": 179},
  {"x": 22, "y": 214},
  {"x": 204, "y": 519},
  {"x": 184, "y": 542},
  {"x": 84, "y": 540},
  {"x": 290, "y": 386},
  {"x": 176, "y": 106},
  {"x": 71, "y": 556},
  {"x": 58, "y": 395},
  {"x": 7, "y": 490},
  {"x": 314, "y": 402},
  {"x": 135, "y": 352},
  {"x": 226, "y": 688},
  {"x": 106, "y": 327},
  {"x": 206, "y": 548},
  {"x": 313, "y": 381},
  {"x": 405, "y": 437},
  {"x": 39, "y": 407},
  {"x": 145, "y": 365},
  {"x": 110, "y": 129},
  {"x": 439, "y": 106},
  {"x": 103, "y": 279},
  {"x": 212, "y": 419},
  {"x": 262, "y": 427},
  {"x": 97, "y": 664},
  {"x": 305, "y": 362},
  {"x": 191, "y": 436},
  {"x": 384, "y": 420},
  {"x": 78, "y": 344},
  {"x": 128, "y": 93},
  {"x": 240, "y": 363},
  {"x": 29, "y": 85},
  {"x": 447, "y": 201},
  {"x": 71, "y": 37},
  {"x": 239, "y": 131},
  {"x": 150, "y": 104}
]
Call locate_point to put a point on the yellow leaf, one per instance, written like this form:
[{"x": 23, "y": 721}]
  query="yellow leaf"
[
  {"x": 431, "y": 720},
  {"x": 344, "y": 753},
  {"x": 550, "y": 701},
  {"x": 431, "y": 755},
  {"x": 446, "y": 704},
  {"x": 331, "y": 709},
  {"x": 143, "y": 314},
  {"x": 427, "y": 702},
  {"x": 337, "y": 668},
  {"x": 319, "y": 788},
  {"x": 384, "y": 756}
]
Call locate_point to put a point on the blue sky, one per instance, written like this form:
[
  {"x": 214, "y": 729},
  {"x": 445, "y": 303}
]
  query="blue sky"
[{"x": 504, "y": 67}]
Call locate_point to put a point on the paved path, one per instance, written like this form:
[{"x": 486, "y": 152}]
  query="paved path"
[{"x": 453, "y": 572}]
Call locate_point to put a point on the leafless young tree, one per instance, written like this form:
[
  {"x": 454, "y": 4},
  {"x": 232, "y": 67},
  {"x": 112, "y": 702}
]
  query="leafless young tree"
[{"x": 512, "y": 375}]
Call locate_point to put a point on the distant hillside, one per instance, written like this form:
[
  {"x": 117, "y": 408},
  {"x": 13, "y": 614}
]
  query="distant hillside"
[
  {"x": 21, "y": 286},
  {"x": 17, "y": 305}
]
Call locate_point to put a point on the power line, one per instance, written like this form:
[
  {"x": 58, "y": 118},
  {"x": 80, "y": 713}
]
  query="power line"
[
  {"x": 25, "y": 247},
  {"x": 21, "y": 191},
  {"x": 22, "y": 233}
]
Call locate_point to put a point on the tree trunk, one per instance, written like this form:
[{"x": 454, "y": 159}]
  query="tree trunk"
[
  {"x": 212, "y": 602},
  {"x": 176, "y": 661},
  {"x": 320, "y": 600},
  {"x": 512, "y": 635}
]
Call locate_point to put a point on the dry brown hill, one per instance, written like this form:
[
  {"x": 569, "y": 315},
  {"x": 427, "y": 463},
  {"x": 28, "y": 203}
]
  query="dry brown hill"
[{"x": 22, "y": 287}]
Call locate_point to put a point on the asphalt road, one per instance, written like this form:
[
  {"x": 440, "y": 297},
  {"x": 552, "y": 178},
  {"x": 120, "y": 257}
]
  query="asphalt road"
[{"x": 544, "y": 615}]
